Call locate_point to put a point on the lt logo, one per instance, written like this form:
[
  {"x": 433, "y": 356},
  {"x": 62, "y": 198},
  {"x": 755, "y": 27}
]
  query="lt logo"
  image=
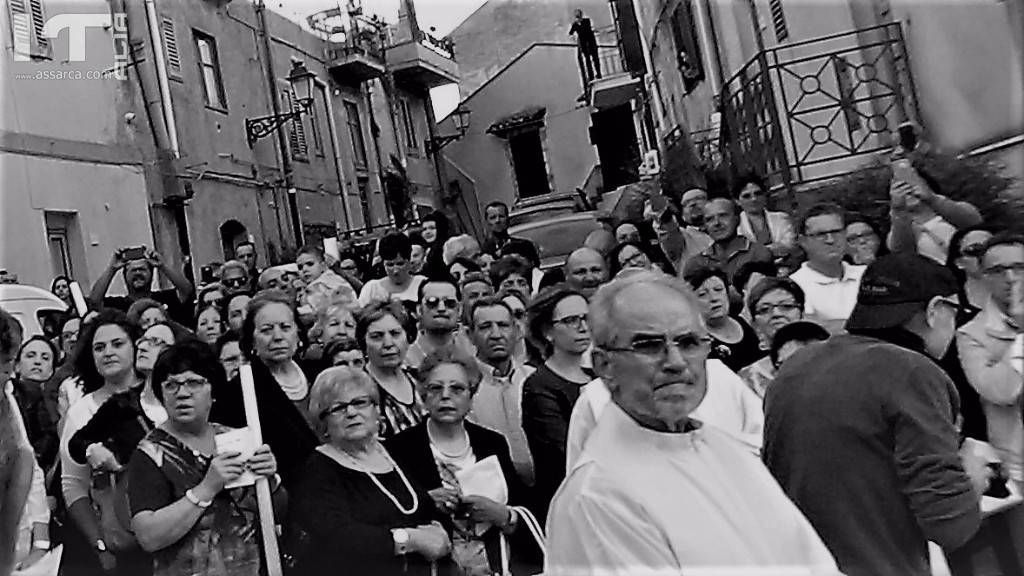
[{"x": 76, "y": 25}]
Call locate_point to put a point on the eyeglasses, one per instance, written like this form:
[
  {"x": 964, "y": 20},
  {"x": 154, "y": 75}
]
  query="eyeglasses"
[
  {"x": 784, "y": 307},
  {"x": 360, "y": 404},
  {"x": 151, "y": 341},
  {"x": 752, "y": 194},
  {"x": 638, "y": 260},
  {"x": 191, "y": 384},
  {"x": 973, "y": 250},
  {"x": 433, "y": 302},
  {"x": 837, "y": 233},
  {"x": 235, "y": 282},
  {"x": 1001, "y": 269},
  {"x": 574, "y": 321},
  {"x": 656, "y": 345},
  {"x": 437, "y": 389}
]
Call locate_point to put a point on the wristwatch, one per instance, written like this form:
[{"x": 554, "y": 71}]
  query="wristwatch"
[
  {"x": 101, "y": 546},
  {"x": 191, "y": 497},
  {"x": 401, "y": 538}
]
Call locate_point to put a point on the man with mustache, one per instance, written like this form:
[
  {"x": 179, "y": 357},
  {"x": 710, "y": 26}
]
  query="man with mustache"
[
  {"x": 138, "y": 278},
  {"x": 439, "y": 310},
  {"x": 654, "y": 490}
]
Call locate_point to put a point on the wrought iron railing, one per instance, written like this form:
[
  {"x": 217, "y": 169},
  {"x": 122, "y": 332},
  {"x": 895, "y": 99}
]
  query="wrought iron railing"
[
  {"x": 610, "y": 59},
  {"x": 443, "y": 46},
  {"x": 811, "y": 110}
]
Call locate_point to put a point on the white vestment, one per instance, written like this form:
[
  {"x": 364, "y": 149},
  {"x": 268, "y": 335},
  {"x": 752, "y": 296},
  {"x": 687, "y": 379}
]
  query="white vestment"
[{"x": 642, "y": 502}]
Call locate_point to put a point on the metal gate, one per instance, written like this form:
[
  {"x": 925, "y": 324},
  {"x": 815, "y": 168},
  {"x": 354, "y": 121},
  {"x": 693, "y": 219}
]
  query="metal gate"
[{"x": 813, "y": 110}]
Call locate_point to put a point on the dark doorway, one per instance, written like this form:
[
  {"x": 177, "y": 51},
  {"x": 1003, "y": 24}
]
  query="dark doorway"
[
  {"x": 528, "y": 163},
  {"x": 231, "y": 233},
  {"x": 618, "y": 150}
]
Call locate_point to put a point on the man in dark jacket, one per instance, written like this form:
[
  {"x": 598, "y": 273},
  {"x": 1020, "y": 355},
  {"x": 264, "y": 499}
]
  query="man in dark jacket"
[{"x": 860, "y": 432}]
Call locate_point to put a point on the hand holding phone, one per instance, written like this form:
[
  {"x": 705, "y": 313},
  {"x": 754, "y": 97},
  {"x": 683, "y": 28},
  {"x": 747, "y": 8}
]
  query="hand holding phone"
[{"x": 133, "y": 253}]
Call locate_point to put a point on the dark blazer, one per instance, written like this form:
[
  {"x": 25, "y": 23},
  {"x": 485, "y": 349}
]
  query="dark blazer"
[
  {"x": 285, "y": 429},
  {"x": 411, "y": 451}
]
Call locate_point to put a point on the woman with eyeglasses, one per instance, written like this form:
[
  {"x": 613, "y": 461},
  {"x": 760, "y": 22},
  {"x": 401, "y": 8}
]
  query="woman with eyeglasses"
[
  {"x": 182, "y": 510},
  {"x": 630, "y": 255},
  {"x": 353, "y": 508},
  {"x": 558, "y": 327},
  {"x": 211, "y": 295},
  {"x": 434, "y": 452},
  {"x": 269, "y": 341},
  {"x": 863, "y": 242},
  {"x": 965, "y": 249},
  {"x": 734, "y": 342},
  {"x": 773, "y": 303},
  {"x": 380, "y": 331}
]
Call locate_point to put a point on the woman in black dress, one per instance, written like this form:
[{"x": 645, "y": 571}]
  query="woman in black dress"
[
  {"x": 558, "y": 327},
  {"x": 353, "y": 509},
  {"x": 734, "y": 342}
]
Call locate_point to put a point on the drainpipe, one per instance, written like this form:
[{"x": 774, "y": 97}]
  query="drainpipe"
[
  {"x": 659, "y": 113},
  {"x": 758, "y": 34},
  {"x": 332, "y": 132},
  {"x": 156, "y": 40},
  {"x": 282, "y": 140},
  {"x": 708, "y": 47}
]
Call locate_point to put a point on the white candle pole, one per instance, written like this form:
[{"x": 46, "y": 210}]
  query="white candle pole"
[
  {"x": 263, "y": 496},
  {"x": 79, "y": 299}
]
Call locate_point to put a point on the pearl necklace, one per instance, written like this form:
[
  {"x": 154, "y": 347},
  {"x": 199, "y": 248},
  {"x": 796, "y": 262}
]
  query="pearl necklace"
[
  {"x": 457, "y": 456},
  {"x": 376, "y": 482}
]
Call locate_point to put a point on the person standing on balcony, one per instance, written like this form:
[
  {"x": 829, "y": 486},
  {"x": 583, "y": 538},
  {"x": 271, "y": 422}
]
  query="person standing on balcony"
[{"x": 587, "y": 43}]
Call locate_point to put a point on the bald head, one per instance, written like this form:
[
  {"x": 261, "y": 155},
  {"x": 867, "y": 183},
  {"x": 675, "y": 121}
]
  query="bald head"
[
  {"x": 601, "y": 240},
  {"x": 585, "y": 270}
]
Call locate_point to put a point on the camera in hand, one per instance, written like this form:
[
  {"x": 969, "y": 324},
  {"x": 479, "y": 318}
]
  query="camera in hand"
[
  {"x": 997, "y": 484},
  {"x": 134, "y": 253}
]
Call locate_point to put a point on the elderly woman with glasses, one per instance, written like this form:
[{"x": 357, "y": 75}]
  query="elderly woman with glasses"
[
  {"x": 773, "y": 303},
  {"x": 353, "y": 508},
  {"x": 437, "y": 450},
  {"x": 183, "y": 511},
  {"x": 558, "y": 327}
]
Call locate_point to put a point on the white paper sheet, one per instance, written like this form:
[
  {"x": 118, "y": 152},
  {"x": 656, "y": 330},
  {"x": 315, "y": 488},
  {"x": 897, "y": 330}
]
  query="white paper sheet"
[{"x": 241, "y": 441}]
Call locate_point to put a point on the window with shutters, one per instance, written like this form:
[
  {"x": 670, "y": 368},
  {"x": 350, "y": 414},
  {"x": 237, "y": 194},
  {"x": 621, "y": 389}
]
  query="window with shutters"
[
  {"x": 688, "y": 55},
  {"x": 171, "y": 52},
  {"x": 27, "y": 19},
  {"x": 408, "y": 124},
  {"x": 778, "y": 20},
  {"x": 355, "y": 130},
  {"x": 209, "y": 71},
  {"x": 296, "y": 131}
]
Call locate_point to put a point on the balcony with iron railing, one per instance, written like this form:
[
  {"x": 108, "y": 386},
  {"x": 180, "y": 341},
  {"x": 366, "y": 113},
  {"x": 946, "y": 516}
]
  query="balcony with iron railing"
[
  {"x": 355, "y": 44},
  {"x": 606, "y": 82},
  {"x": 424, "y": 60},
  {"x": 813, "y": 110}
]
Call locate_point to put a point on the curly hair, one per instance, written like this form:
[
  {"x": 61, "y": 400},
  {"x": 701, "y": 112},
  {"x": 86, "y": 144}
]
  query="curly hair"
[
  {"x": 375, "y": 312},
  {"x": 449, "y": 355},
  {"x": 259, "y": 302},
  {"x": 85, "y": 363}
]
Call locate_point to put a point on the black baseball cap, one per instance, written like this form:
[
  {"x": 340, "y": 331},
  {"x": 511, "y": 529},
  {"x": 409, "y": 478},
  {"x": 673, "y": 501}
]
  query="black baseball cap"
[{"x": 897, "y": 286}]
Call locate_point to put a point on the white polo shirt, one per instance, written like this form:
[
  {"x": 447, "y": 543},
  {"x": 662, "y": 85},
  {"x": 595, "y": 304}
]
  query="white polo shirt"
[{"x": 828, "y": 298}]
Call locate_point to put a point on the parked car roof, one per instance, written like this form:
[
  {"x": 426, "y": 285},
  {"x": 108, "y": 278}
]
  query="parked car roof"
[
  {"x": 557, "y": 237},
  {"x": 31, "y": 305}
]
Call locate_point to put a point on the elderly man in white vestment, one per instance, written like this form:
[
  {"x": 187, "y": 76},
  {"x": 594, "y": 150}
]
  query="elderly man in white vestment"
[{"x": 654, "y": 491}]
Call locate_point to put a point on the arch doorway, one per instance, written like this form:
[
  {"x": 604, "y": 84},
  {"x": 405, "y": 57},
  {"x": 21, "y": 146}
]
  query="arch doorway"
[{"x": 232, "y": 232}]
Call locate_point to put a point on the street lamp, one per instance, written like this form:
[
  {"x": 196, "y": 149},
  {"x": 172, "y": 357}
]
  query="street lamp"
[
  {"x": 302, "y": 84},
  {"x": 461, "y": 120}
]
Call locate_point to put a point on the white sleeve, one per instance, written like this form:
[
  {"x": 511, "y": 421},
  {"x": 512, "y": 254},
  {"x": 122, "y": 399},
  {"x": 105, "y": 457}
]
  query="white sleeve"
[{"x": 592, "y": 530}]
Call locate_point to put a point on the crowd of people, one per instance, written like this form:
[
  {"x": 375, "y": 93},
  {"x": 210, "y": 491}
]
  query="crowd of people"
[{"x": 712, "y": 385}]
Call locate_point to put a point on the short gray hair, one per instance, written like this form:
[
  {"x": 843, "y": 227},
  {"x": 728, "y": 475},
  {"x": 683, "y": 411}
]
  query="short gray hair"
[
  {"x": 604, "y": 312},
  {"x": 329, "y": 385}
]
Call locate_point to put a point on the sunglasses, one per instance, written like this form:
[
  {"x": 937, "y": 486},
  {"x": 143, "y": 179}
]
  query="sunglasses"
[
  {"x": 235, "y": 282},
  {"x": 433, "y": 302},
  {"x": 974, "y": 250}
]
